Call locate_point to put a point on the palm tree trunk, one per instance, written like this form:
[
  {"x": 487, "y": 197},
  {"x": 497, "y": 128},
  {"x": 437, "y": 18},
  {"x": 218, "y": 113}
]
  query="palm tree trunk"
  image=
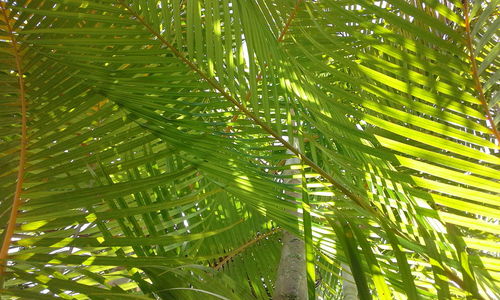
[{"x": 291, "y": 282}]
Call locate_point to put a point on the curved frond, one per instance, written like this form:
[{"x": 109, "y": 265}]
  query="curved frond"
[{"x": 147, "y": 146}]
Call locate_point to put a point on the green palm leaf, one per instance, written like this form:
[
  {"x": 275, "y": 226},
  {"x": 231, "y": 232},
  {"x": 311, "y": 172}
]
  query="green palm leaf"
[{"x": 141, "y": 138}]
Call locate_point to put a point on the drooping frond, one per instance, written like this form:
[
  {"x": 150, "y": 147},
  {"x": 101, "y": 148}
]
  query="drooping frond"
[{"x": 155, "y": 135}]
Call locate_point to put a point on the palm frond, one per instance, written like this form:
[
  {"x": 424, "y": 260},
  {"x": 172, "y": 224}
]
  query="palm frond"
[{"x": 155, "y": 136}]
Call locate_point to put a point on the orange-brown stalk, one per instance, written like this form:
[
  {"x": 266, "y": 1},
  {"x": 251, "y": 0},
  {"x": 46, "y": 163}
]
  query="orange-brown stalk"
[
  {"x": 4, "y": 251},
  {"x": 475, "y": 74},
  {"x": 243, "y": 248}
]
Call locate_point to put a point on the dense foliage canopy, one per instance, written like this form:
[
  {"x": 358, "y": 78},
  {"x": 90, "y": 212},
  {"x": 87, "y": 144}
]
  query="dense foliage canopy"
[{"x": 158, "y": 149}]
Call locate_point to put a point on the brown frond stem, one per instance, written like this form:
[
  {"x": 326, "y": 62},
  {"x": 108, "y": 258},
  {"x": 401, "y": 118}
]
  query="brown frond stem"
[
  {"x": 289, "y": 21},
  {"x": 16, "y": 203},
  {"x": 215, "y": 84},
  {"x": 243, "y": 247},
  {"x": 474, "y": 72}
]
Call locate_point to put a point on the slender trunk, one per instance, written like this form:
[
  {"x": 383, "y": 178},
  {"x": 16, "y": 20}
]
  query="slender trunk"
[{"x": 291, "y": 282}]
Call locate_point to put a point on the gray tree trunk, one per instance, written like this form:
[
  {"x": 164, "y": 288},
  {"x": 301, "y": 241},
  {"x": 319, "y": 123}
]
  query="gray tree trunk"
[{"x": 291, "y": 282}]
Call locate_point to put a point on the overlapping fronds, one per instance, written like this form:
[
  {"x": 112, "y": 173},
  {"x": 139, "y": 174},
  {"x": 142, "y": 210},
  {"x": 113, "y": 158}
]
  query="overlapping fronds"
[{"x": 144, "y": 147}]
